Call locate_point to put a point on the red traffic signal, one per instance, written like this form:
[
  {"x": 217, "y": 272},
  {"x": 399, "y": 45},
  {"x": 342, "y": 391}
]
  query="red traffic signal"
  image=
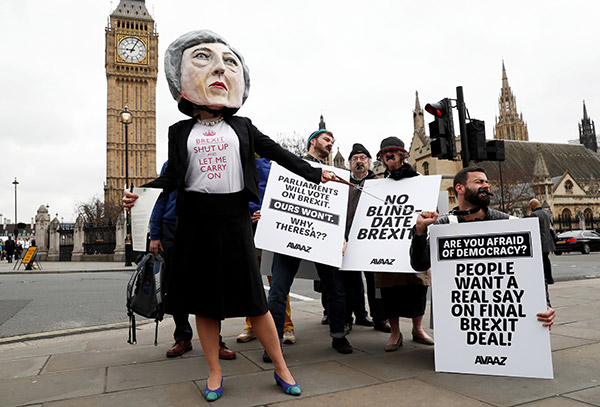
[
  {"x": 439, "y": 109},
  {"x": 441, "y": 130}
]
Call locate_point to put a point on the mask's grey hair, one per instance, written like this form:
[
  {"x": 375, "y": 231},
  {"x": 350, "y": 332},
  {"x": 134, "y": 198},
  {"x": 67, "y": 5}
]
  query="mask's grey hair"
[{"x": 174, "y": 55}]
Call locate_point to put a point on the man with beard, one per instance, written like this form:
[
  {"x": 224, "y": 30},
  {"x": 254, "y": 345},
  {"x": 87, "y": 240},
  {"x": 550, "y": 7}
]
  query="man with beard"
[
  {"x": 473, "y": 194},
  {"x": 360, "y": 171},
  {"x": 285, "y": 267}
]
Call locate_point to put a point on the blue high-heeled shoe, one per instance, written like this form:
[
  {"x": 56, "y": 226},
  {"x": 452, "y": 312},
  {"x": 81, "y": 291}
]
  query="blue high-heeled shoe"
[
  {"x": 292, "y": 389},
  {"x": 212, "y": 395}
]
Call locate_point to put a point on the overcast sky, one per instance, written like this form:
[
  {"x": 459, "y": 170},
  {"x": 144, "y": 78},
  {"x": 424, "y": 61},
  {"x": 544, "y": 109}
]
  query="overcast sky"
[{"x": 358, "y": 63}]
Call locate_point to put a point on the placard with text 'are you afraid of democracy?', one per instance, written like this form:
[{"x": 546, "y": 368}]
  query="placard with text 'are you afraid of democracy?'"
[{"x": 488, "y": 286}]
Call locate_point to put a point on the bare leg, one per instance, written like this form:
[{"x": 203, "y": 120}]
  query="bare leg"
[
  {"x": 265, "y": 331},
  {"x": 208, "y": 333},
  {"x": 395, "y": 334}
]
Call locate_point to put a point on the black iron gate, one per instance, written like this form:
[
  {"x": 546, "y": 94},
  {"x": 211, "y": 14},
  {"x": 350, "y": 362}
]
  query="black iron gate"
[
  {"x": 99, "y": 239},
  {"x": 65, "y": 233}
]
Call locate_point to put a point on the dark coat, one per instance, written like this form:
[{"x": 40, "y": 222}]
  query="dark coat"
[
  {"x": 354, "y": 197},
  {"x": 545, "y": 226},
  {"x": 10, "y": 247},
  {"x": 402, "y": 279},
  {"x": 251, "y": 141}
]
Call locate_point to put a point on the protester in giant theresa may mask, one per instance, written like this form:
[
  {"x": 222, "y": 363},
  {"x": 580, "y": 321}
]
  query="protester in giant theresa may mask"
[{"x": 212, "y": 165}]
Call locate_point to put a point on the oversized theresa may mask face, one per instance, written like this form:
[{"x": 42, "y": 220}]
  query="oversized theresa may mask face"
[{"x": 212, "y": 76}]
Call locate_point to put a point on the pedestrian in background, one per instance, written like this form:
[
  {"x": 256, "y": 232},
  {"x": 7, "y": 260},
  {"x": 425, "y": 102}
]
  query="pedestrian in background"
[
  {"x": 10, "y": 248},
  {"x": 546, "y": 235}
]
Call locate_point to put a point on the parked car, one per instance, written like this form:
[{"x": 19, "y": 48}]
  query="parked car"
[{"x": 584, "y": 241}]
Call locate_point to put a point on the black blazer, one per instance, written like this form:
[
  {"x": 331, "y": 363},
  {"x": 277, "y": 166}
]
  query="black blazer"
[{"x": 251, "y": 141}]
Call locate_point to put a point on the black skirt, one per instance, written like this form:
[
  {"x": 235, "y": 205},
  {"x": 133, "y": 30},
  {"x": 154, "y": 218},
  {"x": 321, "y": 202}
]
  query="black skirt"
[
  {"x": 406, "y": 301},
  {"x": 215, "y": 271}
]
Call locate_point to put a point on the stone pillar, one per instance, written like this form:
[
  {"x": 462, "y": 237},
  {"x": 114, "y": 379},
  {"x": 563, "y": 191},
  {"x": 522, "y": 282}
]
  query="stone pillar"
[
  {"x": 42, "y": 223},
  {"x": 78, "y": 239},
  {"x": 120, "y": 233},
  {"x": 581, "y": 217},
  {"x": 54, "y": 240}
]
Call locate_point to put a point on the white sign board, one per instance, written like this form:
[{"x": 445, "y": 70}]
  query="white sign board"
[
  {"x": 140, "y": 216},
  {"x": 303, "y": 219},
  {"x": 381, "y": 230},
  {"x": 488, "y": 286}
]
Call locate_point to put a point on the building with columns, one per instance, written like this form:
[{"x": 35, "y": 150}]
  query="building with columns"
[{"x": 131, "y": 61}]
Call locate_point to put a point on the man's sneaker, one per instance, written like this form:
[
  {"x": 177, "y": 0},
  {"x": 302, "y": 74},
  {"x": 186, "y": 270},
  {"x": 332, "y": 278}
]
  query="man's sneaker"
[
  {"x": 341, "y": 345},
  {"x": 348, "y": 327},
  {"x": 245, "y": 336},
  {"x": 289, "y": 337},
  {"x": 325, "y": 320}
]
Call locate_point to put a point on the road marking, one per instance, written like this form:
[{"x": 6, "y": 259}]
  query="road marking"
[{"x": 296, "y": 296}]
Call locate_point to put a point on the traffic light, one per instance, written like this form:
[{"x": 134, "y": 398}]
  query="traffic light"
[
  {"x": 441, "y": 130},
  {"x": 476, "y": 140}
]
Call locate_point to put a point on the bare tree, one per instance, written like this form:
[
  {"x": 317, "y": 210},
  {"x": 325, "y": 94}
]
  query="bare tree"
[
  {"x": 516, "y": 191},
  {"x": 97, "y": 212},
  {"x": 294, "y": 143}
]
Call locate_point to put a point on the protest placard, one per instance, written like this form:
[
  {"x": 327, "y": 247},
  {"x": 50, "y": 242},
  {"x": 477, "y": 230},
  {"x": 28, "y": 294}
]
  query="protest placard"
[
  {"x": 303, "y": 219},
  {"x": 140, "y": 216},
  {"x": 488, "y": 286},
  {"x": 381, "y": 230}
]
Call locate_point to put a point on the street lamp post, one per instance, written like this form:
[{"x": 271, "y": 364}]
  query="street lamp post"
[
  {"x": 15, "y": 183},
  {"x": 126, "y": 119}
]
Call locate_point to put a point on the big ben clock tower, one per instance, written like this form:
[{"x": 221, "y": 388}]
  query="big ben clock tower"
[{"x": 131, "y": 71}]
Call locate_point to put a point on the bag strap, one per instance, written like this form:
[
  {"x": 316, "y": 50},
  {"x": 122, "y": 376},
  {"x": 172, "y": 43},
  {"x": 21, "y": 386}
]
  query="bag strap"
[
  {"x": 132, "y": 334},
  {"x": 158, "y": 272}
]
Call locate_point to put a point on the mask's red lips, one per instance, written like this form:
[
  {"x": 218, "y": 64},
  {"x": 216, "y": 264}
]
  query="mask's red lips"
[{"x": 219, "y": 85}]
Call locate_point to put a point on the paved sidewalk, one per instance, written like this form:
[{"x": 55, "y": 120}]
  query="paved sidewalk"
[
  {"x": 65, "y": 267},
  {"x": 101, "y": 370}
]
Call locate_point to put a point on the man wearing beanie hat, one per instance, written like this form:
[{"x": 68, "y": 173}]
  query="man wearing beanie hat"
[
  {"x": 403, "y": 294},
  {"x": 360, "y": 171},
  {"x": 319, "y": 145},
  {"x": 285, "y": 267}
]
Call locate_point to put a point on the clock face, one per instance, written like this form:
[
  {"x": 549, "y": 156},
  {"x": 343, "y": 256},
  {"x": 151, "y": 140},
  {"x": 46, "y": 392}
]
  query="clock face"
[{"x": 132, "y": 49}]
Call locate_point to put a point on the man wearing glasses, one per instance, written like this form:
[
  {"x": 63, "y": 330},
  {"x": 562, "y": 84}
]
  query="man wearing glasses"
[{"x": 360, "y": 167}]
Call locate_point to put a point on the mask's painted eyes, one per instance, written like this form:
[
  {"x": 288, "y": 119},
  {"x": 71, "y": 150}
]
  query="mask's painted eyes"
[
  {"x": 230, "y": 61},
  {"x": 201, "y": 55}
]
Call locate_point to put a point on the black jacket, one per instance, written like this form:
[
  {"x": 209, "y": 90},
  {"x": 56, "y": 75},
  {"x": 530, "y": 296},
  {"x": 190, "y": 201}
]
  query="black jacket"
[{"x": 251, "y": 141}]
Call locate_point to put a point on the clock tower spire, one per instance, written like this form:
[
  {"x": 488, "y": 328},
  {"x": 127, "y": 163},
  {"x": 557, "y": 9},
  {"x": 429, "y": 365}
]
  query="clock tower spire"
[{"x": 131, "y": 62}]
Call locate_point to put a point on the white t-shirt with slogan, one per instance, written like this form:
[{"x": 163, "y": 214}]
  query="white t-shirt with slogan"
[{"x": 214, "y": 166}]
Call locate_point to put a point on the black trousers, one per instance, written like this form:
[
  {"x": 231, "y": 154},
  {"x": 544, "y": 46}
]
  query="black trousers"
[{"x": 183, "y": 329}]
